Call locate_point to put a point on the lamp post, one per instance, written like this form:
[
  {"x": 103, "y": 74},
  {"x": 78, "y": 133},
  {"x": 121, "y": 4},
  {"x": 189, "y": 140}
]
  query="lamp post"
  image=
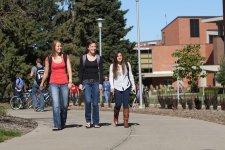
[
  {"x": 139, "y": 54},
  {"x": 203, "y": 82},
  {"x": 100, "y": 20},
  {"x": 178, "y": 85}
]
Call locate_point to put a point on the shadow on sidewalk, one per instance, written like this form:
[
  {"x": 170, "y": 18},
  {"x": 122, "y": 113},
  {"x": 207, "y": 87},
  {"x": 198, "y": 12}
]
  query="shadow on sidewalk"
[
  {"x": 104, "y": 124},
  {"x": 130, "y": 124},
  {"x": 73, "y": 126}
]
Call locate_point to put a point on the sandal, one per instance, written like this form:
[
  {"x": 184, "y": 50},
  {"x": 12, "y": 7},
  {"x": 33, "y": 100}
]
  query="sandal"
[{"x": 88, "y": 125}]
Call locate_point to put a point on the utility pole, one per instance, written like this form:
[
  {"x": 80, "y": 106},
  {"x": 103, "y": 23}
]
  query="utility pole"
[
  {"x": 139, "y": 54},
  {"x": 224, "y": 25}
]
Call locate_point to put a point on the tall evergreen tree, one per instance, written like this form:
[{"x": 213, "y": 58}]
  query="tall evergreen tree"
[
  {"x": 27, "y": 29},
  {"x": 25, "y": 32},
  {"x": 84, "y": 14}
]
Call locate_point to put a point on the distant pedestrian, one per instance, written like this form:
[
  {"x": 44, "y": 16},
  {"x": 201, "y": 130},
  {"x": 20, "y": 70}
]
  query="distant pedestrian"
[
  {"x": 74, "y": 94},
  {"x": 106, "y": 89},
  {"x": 19, "y": 85},
  {"x": 37, "y": 72},
  {"x": 58, "y": 64},
  {"x": 91, "y": 79},
  {"x": 122, "y": 82}
]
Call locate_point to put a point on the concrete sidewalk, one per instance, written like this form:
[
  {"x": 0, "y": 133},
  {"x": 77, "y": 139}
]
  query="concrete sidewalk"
[{"x": 146, "y": 132}]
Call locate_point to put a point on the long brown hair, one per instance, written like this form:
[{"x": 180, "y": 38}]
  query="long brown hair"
[
  {"x": 115, "y": 64},
  {"x": 89, "y": 42},
  {"x": 53, "y": 47}
]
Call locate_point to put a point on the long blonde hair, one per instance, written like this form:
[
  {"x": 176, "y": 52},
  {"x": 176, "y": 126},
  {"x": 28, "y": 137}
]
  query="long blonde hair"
[{"x": 53, "y": 47}]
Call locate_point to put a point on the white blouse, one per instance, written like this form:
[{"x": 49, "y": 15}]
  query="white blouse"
[{"x": 122, "y": 81}]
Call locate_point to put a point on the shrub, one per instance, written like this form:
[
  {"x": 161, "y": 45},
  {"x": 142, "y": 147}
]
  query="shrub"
[
  {"x": 2, "y": 111},
  {"x": 198, "y": 103},
  {"x": 183, "y": 102},
  {"x": 207, "y": 102}
]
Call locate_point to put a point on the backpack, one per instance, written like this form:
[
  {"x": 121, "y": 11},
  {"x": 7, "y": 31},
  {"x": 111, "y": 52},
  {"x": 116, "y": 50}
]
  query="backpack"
[
  {"x": 84, "y": 59},
  {"x": 39, "y": 74},
  {"x": 14, "y": 83}
]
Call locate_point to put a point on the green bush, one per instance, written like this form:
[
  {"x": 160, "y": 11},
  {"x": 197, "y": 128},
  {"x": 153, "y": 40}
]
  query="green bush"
[{"x": 2, "y": 111}]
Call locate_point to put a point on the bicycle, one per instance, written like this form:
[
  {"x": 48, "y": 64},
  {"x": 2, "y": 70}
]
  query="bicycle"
[
  {"x": 26, "y": 101},
  {"x": 47, "y": 98},
  {"x": 134, "y": 104}
]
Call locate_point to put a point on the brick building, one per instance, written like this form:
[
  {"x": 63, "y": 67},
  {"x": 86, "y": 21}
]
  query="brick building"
[{"x": 156, "y": 60}]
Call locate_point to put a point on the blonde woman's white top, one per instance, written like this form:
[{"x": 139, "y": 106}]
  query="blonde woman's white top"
[{"x": 121, "y": 83}]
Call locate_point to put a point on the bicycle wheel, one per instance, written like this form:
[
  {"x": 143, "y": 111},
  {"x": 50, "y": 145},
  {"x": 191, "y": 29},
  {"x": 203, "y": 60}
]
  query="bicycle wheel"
[
  {"x": 48, "y": 101},
  {"x": 29, "y": 102},
  {"x": 134, "y": 104},
  {"x": 16, "y": 102}
]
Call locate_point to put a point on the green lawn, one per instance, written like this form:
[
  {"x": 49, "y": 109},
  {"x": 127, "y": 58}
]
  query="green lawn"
[
  {"x": 7, "y": 134},
  {"x": 5, "y": 105}
]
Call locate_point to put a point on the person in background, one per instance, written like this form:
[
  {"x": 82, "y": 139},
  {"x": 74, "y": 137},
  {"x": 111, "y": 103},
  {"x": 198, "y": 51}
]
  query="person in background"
[
  {"x": 91, "y": 79},
  {"x": 122, "y": 82},
  {"x": 74, "y": 93},
  {"x": 106, "y": 89},
  {"x": 58, "y": 65},
  {"x": 19, "y": 85},
  {"x": 37, "y": 72}
]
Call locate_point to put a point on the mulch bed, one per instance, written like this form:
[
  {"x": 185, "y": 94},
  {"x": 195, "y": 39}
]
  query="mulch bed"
[
  {"x": 215, "y": 116},
  {"x": 18, "y": 124}
]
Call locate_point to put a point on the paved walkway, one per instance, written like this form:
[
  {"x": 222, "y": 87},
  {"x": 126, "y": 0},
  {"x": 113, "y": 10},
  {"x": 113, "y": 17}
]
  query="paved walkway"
[{"x": 146, "y": 132}]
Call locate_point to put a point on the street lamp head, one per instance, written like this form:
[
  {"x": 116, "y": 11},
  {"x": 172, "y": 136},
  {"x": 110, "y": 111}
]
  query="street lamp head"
[{"x": 100, "y": 20}]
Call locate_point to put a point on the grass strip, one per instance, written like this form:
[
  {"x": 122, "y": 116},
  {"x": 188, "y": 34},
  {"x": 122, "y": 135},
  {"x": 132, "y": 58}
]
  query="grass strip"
[{"x": 7, "y": 134}]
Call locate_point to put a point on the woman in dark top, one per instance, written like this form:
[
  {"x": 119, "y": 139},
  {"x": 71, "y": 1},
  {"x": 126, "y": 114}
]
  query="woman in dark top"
[{"x": 91, "y": 79}]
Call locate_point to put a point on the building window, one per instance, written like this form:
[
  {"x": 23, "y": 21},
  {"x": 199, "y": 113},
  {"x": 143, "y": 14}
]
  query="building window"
[
  {"x": 146, "y": 70},
  {"x": 194, "y": 27},
  {"x": 211, "y": 37},
  {"x": 168, "y": 82}
]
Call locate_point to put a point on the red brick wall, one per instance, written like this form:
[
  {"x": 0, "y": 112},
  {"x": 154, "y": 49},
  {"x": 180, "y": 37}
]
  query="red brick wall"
[
  {"x": 178, "y": 32},
  {"x": 163, "y": 61},
  {"x": 171, "y": 34}
]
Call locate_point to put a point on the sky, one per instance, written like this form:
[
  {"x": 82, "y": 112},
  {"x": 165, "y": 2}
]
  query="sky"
[{"x": 155, "y": 14}]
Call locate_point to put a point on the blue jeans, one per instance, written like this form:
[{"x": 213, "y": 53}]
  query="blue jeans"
[
  {"x": 91, "y": 97},
  {"x": 122, "y": 97},
  {"x": 35, "y": 88},
  {"x": 106, "y": 94},
  {"x": 59, "y": 93}
]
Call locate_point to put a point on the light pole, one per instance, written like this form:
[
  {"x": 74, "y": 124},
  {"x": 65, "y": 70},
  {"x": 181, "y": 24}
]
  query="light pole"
[
  {"x": 139, "y": 54},
  {"x": 224, "y": 22},
  {"x": 100, "y": 20},
  {"x": 203, "y": 82},
  {"x": 178, "y": 85}
]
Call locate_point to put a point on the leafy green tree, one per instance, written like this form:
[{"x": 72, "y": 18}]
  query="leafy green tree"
[
  {"x": 188, "y": 62},
  {"x": 220, "y": 76}
]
